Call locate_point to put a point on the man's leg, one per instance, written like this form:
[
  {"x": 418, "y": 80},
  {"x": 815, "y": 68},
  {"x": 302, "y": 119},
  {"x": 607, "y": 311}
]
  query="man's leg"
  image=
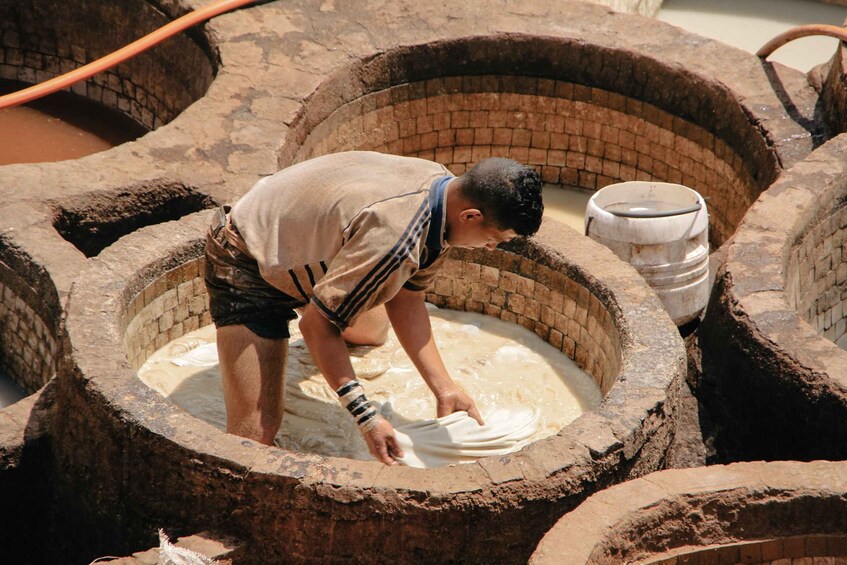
[
  {"x": 370, "y": 329},
  {"x": 253, "y": 371}
]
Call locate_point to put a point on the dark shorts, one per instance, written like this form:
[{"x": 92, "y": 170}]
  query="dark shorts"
[{"x": 237, "y": 292}]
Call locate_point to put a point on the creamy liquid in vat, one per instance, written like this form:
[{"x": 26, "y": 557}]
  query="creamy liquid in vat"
[
  {"x": 566, "y": 204},
  {"x": 501, "y": 365}
]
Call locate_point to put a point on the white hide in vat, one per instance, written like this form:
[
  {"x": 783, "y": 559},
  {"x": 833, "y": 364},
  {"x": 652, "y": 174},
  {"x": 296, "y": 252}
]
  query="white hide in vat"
[{"x": 525, "y": 389}]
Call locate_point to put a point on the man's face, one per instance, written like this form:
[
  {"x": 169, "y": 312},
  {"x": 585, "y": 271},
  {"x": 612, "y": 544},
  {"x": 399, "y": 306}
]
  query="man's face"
[{"x": 481, "y": 234}]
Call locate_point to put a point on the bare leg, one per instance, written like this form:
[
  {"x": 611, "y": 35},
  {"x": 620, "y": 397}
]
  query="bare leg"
[
  {"x": 252, "y": 368},
  {"x": 370, "y": 329}
]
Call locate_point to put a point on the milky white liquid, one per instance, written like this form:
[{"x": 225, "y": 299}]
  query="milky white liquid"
[
  {"x": 501, "y": 365},
  {"x": 566, "y": 204}
]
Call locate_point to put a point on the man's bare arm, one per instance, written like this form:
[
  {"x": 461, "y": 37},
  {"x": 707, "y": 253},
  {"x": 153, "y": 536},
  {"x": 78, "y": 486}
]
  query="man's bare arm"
[
  {"x": 330, "y": 354},
  {"x": 410, "y": 320}
]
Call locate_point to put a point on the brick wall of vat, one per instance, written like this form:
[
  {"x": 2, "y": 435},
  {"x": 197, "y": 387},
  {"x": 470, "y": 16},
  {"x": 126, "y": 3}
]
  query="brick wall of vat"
[
  {"x": 167, "y": 308},
  {"x": 546, "y": 302},
  {"x": 29, "y": 347},
  {"x": 573, "y": 134},
  {"x": 500, "y": 284},
  {"x": 817, "y": 273}
]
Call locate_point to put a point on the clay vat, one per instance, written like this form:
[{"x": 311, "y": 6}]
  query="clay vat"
[
  {"x": 125, "y": 446},
  {"x": 772, "y": 374},
  {"x": 782, "y": 512},
  {"x": 30, "y": 317},
  {"x": 584, "y": 114},
  {"x": 39, "y": 41}
]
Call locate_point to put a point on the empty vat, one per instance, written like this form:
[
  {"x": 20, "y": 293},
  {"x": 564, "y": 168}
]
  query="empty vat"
[{"x": 773, "y": 376}]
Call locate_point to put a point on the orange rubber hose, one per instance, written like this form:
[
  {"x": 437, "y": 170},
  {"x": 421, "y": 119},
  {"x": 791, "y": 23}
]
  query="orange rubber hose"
[
  {"x": 122, "y": 54},
  {"x": 797, "y": 33}
]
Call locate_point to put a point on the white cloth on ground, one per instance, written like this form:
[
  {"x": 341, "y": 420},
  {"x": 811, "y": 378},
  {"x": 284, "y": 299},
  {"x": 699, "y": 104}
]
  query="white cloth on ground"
[{"x": 458, "y": 438}]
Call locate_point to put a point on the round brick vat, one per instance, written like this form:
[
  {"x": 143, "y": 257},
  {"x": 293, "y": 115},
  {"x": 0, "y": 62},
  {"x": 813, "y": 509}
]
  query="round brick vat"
[
  {"x": 766, "y": 513},
  {"x": 584, "y": 114},
  {"x": 773, "y": 377},
  {"x": 38, "y": 41},
  {"x": 30, "y": 317},
  {"x": 128, "y": 452}
]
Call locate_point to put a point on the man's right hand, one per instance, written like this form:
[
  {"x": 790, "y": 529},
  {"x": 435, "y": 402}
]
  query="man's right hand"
[{"x": 382, "y": 443}]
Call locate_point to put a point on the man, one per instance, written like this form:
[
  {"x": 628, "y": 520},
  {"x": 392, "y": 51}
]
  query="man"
[{"x": 353, "y": 240}]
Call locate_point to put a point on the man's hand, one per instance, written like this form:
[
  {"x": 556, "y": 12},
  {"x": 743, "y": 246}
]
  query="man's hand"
[
  {"x": 381, "y": 442},
  {"x": 454, "y": 400},
  {"x": 410, "y": 320}
]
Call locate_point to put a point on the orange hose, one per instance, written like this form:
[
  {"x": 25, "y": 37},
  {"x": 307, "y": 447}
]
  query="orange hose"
[
  {"x": 122, "y": 54},
  {"x": 798, "y": 32}
]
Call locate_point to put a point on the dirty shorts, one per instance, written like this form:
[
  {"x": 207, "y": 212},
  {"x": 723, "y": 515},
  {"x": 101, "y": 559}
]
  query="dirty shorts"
[{"x": 237, "y": 292}]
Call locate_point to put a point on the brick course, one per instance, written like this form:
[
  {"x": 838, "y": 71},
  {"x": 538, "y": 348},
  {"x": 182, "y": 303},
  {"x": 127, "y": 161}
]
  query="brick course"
[
  {"x": 27, "y": 332},
  {"x": 574, "y": 135},
  {"x": 818, "y": 271},
  {"x": 164, "y": 310},
  {"x": 795, "y": 550},
  {"x": 491, "y": 283},
  {"x": 538, "y": 298}
]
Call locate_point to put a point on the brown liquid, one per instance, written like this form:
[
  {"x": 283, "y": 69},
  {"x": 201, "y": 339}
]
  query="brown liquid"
[{"x": 58, "y": 127}]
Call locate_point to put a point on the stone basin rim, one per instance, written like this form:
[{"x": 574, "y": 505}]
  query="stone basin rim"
[{"x": 97, "y": 359}]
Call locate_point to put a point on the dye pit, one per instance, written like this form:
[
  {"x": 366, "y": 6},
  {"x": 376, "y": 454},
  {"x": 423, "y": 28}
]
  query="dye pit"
[
  {"x": 588, "y": 96},
  {"x": 501, "y": 365},
  {"x": 58, "y": 127}
]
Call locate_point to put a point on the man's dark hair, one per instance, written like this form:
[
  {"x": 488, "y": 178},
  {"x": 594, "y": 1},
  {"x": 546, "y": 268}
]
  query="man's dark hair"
[{"x": 506, "y": 192}]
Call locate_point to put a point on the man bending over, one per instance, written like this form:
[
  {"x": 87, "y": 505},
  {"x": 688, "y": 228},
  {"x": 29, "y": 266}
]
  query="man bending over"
[{"x": 353, "y": 240}]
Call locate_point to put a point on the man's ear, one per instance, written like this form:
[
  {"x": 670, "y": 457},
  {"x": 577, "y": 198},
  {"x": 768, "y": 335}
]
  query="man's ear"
[{"x": 473, "y": 215}]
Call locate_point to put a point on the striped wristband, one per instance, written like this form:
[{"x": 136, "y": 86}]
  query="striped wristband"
[{"x": 352, "y": 397}]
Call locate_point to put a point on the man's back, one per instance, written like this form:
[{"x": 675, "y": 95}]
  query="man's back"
[{"x": 296, "y": 221}]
